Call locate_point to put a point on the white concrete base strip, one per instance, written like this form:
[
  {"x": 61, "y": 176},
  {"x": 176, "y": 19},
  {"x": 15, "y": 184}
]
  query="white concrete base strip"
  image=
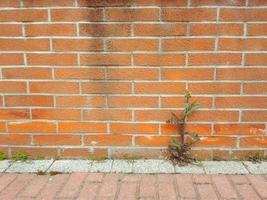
[{"x": 147, "y": 166}]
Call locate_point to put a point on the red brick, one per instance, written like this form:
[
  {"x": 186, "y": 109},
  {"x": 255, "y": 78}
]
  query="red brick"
[
  {"x": 218, "y": 3},
  {"x": 159, "y": 59},
  {"x": 56, "y": 114},
  {"x": 214, "y": 88},
  {"x": 28, "y": 100},
  {"x": 178, "y": 102},
  {"x": 8, "y": 3},
  {"x": 48, "y": 3},
  {"x": 259, "y": 183},
  {"x": 216, "y": 141},
  {"x": 82, "y": 153},
  {"x": 108, "y": 140},
  {"x": 215, "y": 116},
  {"x": 160, "y": 3},
  {"x": 257, "y": 3},
  {"x": 188, "y": 44},
  {"x": 127, "y": 128},
  {"x": 107, "y": 115},
  {"x": 132, "y": 14},
  {"x": 106, "y": 88},
  {"x": 23, "y": 15},
  {"x": 239, "y": 129},
  {"x": 27, "y": 73},
  {"x": 77, "y": 44},
  {"x": 241, "y": 102},
  {"x": 10, "y": 30},
  {"x": 200, "y": 59},
  {"x": 105, "y": 59},
  {"x": 255, "y": 88},
  {"x": 81, "y": 127},
  {"x": 253, "y": 142},
  {"x": 158, "y": 141},
  {"x": 241, "y": 74},
  {"x": 189, "y": 14},
  {"x": 79, "y": 73},
  {"x": 133, "y": 45},
  {"x": 14, "y": 139},
  {"x": 36, "y": 152},
  {"x": 50, "y": 30},
  {"x": 241, "y": 14},
  {"x": 2, "y": 127},
  {"x": 152, "y": 115},
  {"x": 11, "y": 59},
  {"x": 132, "y": 102},
  {"x": 237, "y": 44},
  {"x": 102, "y": 30},
  {"x": 257, "y": 29},
  {"x": 14, "y": 114},
  {"x": 57, "y": 140},
  {"x": 104, "y": 3},
  {"x": 52, "y": 59},
  {"x": 206, "y": 191},
  {"x": 77, "y": 14},
  {"x": 163, "y": 29},
  {"x": 13, "y": 86},
  {"x": 54, "y": 87},
  {"x": 132, "y": 74},
  {"x": 255, "y": 59},
  {"x": 186, "y": 186},
  {"x": 254, "y": 116},
  {"x": 80, "y": 101},
  {"x": 24, "y": 45},
  {"x": 200, "y": 129},
  {"x": 31, "y": 127},
  {"x": 159, "y": 88},
  {"x": 186, "y": 74}
]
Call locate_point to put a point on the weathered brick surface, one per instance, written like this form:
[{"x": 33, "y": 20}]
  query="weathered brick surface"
[{"x": 79, "y": 76}]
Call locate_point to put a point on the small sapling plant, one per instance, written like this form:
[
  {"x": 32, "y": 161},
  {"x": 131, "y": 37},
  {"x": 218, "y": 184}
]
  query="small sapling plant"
[{"x": 179, "y": 149}]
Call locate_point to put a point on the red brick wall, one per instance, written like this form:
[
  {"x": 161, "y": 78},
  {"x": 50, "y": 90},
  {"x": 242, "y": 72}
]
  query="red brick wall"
[{"x": 81, "y": 76}]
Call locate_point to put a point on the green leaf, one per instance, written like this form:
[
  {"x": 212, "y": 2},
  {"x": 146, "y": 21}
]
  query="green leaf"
[{"x": 175, "y": 143}]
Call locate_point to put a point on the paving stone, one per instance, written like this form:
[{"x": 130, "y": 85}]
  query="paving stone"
[
  {"x": 256, "y": 168},
  {"x": 71, "y": 166},
  {"x": 122, "y": 166},
  {"x": 30, "y": 166},
  {"x": 4, "y": 164},
  {"x": 189, "y": 169},
  {"x": 224, "y": 167},
  {"x": 152, "y": 166},
  {"x": 101, "y": 166}
]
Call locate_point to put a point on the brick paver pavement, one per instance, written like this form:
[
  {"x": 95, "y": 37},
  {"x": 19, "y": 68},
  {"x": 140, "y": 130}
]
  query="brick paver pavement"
[{"x": 98, "y": 186}]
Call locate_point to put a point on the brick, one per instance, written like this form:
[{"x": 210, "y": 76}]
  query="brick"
[
  {"x": 216, "y": 141},
  {"x": 206, "y": 191},
  {"x": 259, "y": 183},
  {"x": 241, "y": 102},
  {"x": 191, "y": 44},
  {"x": 200, "y": 129},
  {"x": 8, "y": 3},
  {"x": 10, "y": 30},
  {"x": 218, "y": 3},
  {"x": 188, "y": 14},
  {"x": 36, "y": 152},
  {"x": 80, "y": 101},
  {"x": 108, "y": 140},
  {"x": 128, "y": 191},
  {"x": 128, "y": 128},
  {"x": 256, "y": 142},
  {"x": 132, "y": 102},
  {"x": 148, "y": 187},
  {"x": 11, "y": 59},
  {"x": 215, "y": 116},
  {"x": 186, "y": 186},
  {"x": 152, "y": 115},
  {"x": 52, "y": 59},
  {"x": 132, "y": 74},
  {"x": 214, "y": 88},
  {"x": 204, "y": 59},
  {"x": 103, "y": 30},
  {"x": 14, "y": 139},
  {"x": 133, "y": 45},
  {"x": 241, "y": 14},
  {"x": 163, "y": 29},
  {"x": 77, "y": 14},
  {"x": 257, "y": 3},
  {"x": 120, "y": 153},
  {"x": 159, "y": 59},
  {"x": 255, "y": 59},
  {"x": 160, "y": 3},
  {"x": 256, "y": 29},
  {"x": 239, "y": 129},
  {"x": 13, "y": 86},
  {"x": 159, "y": 88},
  {"x": 216, "y": 29},
  {"x": 50, "y": 30},
  {"x": 79, "y": 73},
  {"x": 237, "y": 44},
  {"x": 255, "y": 88},
  {"x": 55, "y": 87},
  {"x": 254, "y": 116},
  {"x": 241, "y": 74},
  {"x": 27, "y": 73},
  {"x": 158, "y": 141},
  {"x": 104, "y": 3},
  {"x": 77, "y": 44},
  {"x": 178, "y": 102},
  {"x": 187, "y": 74},
  {"x": 23, "y": 15},
  {"x": 82, "y": 153},
  {"x": 132, "y": 14},
  {"x": 106, "y": 88},
  {"x": 105, "y": 59},
  {"x": 247, "y": 192},
  {"x": 56, "y": 114},
  {"x": 2, "y": 127},
  {"x": 24, "y": 45},
  {"x": 31, "y": 127},
  {"x": 9, "y": 113},
  {"x": 6, "y": 179},
  {"x": 48, "y": 3},
  {"x": 28, "y": 100},
  {"x": 57, "y": 140},
  {"x": 81, "y": 127},
  {"x": 107, "y": 115},
  {"x": 91, "y": 188}
]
